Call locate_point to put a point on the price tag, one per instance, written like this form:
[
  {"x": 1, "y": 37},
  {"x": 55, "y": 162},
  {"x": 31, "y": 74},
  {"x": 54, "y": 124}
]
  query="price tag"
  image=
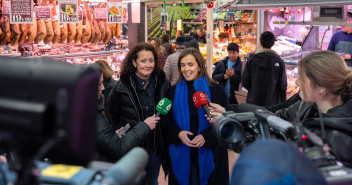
[
  {"x": 21, "y": 11},
  {"x": 5, "y": 7},
  {"x": 68, "y": 11},
  {"x": 100, "y": 13},
  {"x": 43, "y": 12}
]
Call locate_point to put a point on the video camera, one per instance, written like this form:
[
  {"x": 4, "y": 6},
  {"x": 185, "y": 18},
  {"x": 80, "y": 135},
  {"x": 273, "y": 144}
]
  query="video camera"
[
  {"x": 237, "y": 130},
  {"x": 48, "y": 111}
]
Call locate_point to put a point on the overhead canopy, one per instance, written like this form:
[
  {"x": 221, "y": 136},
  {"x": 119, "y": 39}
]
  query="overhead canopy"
[{"x": 260, "y": 4}]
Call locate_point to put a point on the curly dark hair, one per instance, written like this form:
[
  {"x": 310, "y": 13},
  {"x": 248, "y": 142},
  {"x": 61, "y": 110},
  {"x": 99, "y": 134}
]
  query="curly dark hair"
[{"x": 127, "y": 67}]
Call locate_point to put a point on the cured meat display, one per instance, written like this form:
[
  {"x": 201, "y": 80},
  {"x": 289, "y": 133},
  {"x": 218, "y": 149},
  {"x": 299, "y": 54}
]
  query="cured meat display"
[
  {"x": 79, "y": 32},
  {"x": 49, "y": 32},
  {"x": 6, "y": 32},
  {"x": 41, "y": 31},
  {"x": 63, "y": 33},
  {"x": 71, "y": 32},
  {"x": 32, "y": 31},
  {"x": 24, "y": 33},
  {"x": 46, "y": 35},
  {"x": 15, "y": 33},
  {"x": 57, "y": 31}
]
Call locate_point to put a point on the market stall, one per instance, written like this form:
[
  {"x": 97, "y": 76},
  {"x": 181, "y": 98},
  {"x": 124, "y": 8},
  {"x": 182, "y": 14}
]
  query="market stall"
[{"x": 68, "y": 30}]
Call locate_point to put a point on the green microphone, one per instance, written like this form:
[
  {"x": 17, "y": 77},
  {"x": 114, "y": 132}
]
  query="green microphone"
[{"x": 163, "y": 107}]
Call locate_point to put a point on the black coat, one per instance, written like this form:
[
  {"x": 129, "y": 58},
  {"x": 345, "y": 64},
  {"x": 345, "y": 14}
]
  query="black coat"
[
  {"x": 235, "y": 80},
  {"x": 264, "y": 77},
  {"x": 108, "y": 85},
  {"x": 221, "y": 172},
  {"x": 124, "y": 105},
  {"x": 110, "y": 147},
  {"x": 337, "y": 121}
]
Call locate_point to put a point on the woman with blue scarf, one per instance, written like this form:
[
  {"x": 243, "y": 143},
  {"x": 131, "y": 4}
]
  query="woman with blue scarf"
[{"x": 196, "y": 156}]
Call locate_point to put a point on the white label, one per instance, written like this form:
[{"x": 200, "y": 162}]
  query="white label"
[{"x": 336, "y": 173}]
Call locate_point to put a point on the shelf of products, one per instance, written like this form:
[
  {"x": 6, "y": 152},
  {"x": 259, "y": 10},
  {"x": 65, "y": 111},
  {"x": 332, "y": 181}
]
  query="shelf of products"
[{"x": 114, "y": 58}]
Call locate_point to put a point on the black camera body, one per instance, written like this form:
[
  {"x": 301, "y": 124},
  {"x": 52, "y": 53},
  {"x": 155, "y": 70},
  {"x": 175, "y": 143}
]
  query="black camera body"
[{"x": 237, "y": 130}]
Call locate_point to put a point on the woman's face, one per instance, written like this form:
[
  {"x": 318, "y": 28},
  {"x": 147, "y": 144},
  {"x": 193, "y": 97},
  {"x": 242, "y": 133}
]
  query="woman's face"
[
  {"x": 153, "y": 43},
  {"x": 145, "y": 63},
  {"x": 189, "y": 67},
  {"x": 307, "y": 92},
  {"x": 101, "y": 86}
]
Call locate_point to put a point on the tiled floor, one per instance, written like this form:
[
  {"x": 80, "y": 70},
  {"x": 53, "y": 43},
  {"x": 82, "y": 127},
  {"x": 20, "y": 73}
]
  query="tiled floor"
[{"x": 232, "y": 159}]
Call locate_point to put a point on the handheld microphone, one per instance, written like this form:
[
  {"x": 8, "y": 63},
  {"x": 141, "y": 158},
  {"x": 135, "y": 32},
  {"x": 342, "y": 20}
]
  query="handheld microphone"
[
  {"x": 200, "y": 101},
  {"x": 163, "y": 107},
  {"x": 201, "y": 85},
  {"x": 126, "y": 170}
]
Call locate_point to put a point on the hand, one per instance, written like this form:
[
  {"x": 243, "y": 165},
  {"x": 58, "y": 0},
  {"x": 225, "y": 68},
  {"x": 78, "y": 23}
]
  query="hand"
[
  {"x": 183, "y": 135},
  {"x": 118, "y": 130},
  {"x": 213, "y": 107},
  {"x": 347, "y": 57},
  {"x": 199, "y": 141},
  {"x": 152, "y": 121},
  {"x": 226, "y": 76},
  {"x": 230, "y": 72}
]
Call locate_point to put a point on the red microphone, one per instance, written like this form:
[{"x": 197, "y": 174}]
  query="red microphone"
[{"x": 200, "y": 101}]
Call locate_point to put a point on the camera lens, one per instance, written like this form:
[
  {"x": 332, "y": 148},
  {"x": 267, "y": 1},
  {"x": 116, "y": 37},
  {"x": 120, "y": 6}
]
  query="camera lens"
[
  {"x": 229, "y": 130},
  {"x": 226, "y": 131}
]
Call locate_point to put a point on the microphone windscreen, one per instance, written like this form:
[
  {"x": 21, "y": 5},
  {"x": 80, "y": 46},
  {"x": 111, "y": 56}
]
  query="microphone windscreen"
[
  {"x": 164, "y": 106},
  {"x": 200, "y": 85},
  {"x": 127, "y": 168},
  {"x": 199, "y": 99}
]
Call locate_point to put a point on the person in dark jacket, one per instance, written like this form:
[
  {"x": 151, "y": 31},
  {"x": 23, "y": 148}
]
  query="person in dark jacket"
[
  {"x": 108, "y": 82},
  {"x": 200, "y": 36},
  {"x": 325, "y": 84},
  {"x": 264, "y": 75},
  {"x": 195, "y": 154},
  {"x": 134, "y": 97},
  {"x": 109, "y": 146},
  {"x": 228, "y": 72}
]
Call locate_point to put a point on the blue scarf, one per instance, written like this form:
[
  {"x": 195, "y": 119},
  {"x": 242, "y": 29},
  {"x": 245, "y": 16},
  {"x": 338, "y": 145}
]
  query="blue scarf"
[{"x": 181, "y": 155}]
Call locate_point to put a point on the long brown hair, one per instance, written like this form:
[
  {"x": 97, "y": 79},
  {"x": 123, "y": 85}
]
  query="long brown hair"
[
  {"x": 200, "y": 61},
  {"x": 105, "y": 68},
  {"x": 127, "y": 67},
  {"x": 327, "y": 69}
]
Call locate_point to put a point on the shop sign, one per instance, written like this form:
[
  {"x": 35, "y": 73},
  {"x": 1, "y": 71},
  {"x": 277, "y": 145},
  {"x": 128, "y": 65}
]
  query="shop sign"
[
  {"x": 21, "y": 11},
  {"x": 114, "y": 11},
  {"x": 101, "y": 13},
  {"x": 5, "y": 7},
  {"x": 43, "y": 12},
  {"x": 68, "y": 11}
]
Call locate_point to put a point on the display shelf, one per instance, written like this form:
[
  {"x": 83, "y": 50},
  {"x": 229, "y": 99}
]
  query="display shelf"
[
  {"x": 314, "y": 23},
  {"x": 90, "y": 54}
]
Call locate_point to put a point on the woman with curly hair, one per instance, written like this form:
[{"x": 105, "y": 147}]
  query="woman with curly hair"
[{"x": 134, "y": 97}]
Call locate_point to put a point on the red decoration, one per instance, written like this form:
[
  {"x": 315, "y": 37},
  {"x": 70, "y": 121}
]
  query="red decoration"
[{"x": 210, "y": 5}]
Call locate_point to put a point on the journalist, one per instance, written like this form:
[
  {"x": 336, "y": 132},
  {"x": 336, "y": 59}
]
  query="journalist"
[
  {"x": 109, "y": 146},
  {"x": 134, "y": 97},
  {"x": 325, "y": 84},
  {"x": 195, "y": 154}
]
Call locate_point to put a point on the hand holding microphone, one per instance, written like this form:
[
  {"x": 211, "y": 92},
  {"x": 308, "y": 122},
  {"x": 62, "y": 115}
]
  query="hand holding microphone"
[{"x": 163, "y": 107}]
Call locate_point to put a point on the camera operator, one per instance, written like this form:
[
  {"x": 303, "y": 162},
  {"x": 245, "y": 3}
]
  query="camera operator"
[{"x": 325, "y": 84}]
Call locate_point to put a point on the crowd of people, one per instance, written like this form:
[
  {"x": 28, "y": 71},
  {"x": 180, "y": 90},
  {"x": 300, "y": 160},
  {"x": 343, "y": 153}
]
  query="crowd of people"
[{"x": 182, "y": 141}]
